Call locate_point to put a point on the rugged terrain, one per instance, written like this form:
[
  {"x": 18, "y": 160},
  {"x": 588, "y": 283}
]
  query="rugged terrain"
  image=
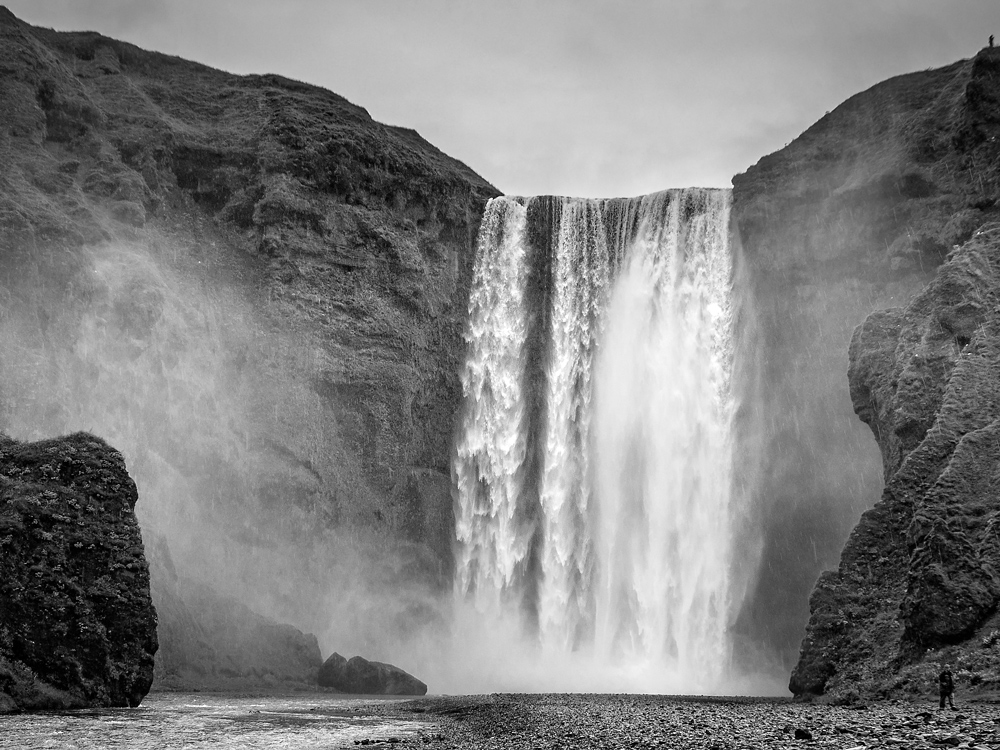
[
  {"x": 853, "y": 216},
  {"x": 518, "y": 721},
  {"x": 258, "y": 293},
  {"x": 627, "y": 721},
  {"x": 919, "y": 580},
  {"x": 77, "y": 627},
  {"x": 209, "y": 641},
  {"x": 359, "y": 676}
]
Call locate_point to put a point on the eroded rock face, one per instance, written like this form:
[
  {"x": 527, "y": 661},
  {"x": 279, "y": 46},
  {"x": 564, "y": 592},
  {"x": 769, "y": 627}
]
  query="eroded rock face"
[
  {"x": 209, "y": 641},
  {"x": 257, "y": 293},
  {"x": 919, "y": 579},
  {"x": 77, "y": 626},
  {"x": 359, "y": 676},
  {"x": 852, "y": 217}
]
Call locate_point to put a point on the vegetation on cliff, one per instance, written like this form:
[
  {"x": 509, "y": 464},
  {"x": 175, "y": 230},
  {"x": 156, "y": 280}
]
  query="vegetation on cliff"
[{"x": 77, "y": 627}]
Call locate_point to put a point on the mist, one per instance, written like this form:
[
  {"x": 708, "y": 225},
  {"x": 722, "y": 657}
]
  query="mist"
[
  {"x": 609, "y": 528},
  {"x": 166, "y": 351},
  {"x": 172, "y": 354},
  {"x": 168, "y": 348}
]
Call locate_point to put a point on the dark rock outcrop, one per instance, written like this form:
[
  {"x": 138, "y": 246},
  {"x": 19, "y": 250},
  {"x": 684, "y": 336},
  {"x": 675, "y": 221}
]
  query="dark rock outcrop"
[
  {"x": 919, "y": 580},
  {"x": 77, "y": 627},
  {"x": 258, "y": 294},
  {"x": 853, "y": 216},
  {"x": 359, "y": 676}
]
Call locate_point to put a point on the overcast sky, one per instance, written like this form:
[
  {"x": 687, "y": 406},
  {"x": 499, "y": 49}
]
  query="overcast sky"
[{"x": 572, "y": 97}]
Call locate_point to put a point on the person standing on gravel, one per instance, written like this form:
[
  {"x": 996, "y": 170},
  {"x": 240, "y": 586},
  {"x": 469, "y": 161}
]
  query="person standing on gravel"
[{"x": 946, "y": 686}]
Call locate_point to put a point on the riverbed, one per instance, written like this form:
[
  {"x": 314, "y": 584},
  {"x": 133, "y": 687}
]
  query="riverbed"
[{"x": 196, "y": 720}]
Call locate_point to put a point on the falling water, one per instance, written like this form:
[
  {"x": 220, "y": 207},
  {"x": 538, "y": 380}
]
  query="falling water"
[
  {"x": 594, "y": 462},
  {"x": 492, "y": 534}
]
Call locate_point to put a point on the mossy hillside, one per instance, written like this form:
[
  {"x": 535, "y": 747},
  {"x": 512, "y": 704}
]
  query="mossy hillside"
[{"x": 77, "y": 626}]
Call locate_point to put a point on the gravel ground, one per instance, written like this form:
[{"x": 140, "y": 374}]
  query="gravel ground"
[{"x": 630, "y": 721}]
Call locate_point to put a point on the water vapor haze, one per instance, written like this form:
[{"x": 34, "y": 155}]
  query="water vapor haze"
[{"x": 236, "y": 457}]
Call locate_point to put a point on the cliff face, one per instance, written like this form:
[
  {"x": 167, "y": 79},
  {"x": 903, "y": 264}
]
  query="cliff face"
[
  {"x": 77, "y": 627},
  {"x": 258, "y": 293},
  {"x": 853, "y": 216},
  {"x": 210, "y": 641},
  {"x": 919, "y": 580}
]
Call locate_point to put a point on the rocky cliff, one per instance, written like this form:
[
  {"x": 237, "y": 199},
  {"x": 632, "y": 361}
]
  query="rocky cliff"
[
  {"x": 77, "y": 627},
  {"x": 853, "y": 216},
  {"x": 209, "y": 641},
  {"x": 919, "y": 581},
  {"x": 258, "y": 293}
]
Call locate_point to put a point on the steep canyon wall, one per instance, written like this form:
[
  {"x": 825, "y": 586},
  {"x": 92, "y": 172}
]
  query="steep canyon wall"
[
  {"x": 917, "y": 587},
  {"x": 853, "y": 216},
  {"x": 256, "y": 293}
]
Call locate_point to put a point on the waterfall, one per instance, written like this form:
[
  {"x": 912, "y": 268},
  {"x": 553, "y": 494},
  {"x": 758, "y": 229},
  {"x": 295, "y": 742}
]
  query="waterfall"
[
  {"x": 593, "y": 467},
  {"x": 491, "y": 532}
]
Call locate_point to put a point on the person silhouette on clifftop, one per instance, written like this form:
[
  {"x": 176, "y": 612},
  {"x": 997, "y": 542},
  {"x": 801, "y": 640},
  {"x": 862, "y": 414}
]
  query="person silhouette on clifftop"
[
  {"x": 946, "y": 687},
  {"x": 991, "y": 40}
]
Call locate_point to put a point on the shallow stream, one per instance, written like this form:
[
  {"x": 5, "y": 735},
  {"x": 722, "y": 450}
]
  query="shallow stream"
[{"x": 195, "y": 720}]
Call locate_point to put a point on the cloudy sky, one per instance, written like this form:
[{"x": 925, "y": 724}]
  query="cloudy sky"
[{"x": 575, "y": 97}]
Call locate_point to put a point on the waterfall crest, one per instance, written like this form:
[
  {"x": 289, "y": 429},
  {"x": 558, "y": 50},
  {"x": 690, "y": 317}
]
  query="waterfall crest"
[{"x": 593, "y": 469}]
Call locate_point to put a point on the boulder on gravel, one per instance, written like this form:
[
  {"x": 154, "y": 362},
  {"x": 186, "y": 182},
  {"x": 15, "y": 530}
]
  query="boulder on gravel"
[{"x": 359, "y": 676}]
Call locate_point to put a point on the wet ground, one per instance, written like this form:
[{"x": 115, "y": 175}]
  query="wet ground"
[
  {"x": 204, "y": 720},
  {"x": 573, "y": 721},
  {"x": 194, "y": 721}
]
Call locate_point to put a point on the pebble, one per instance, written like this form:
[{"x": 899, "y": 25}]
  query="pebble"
[{"x": 625, "y": 722}]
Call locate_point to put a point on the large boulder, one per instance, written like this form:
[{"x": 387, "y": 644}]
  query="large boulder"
[
  {"x": 77, "y": 625},
  {"x": 362, "y": 677}
]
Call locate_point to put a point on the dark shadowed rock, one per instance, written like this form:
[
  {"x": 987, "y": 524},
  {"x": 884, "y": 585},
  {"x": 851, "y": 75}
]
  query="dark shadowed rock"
[
  {"x": 360, "y": 676},
  {"x": 77, "y": 627}
]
